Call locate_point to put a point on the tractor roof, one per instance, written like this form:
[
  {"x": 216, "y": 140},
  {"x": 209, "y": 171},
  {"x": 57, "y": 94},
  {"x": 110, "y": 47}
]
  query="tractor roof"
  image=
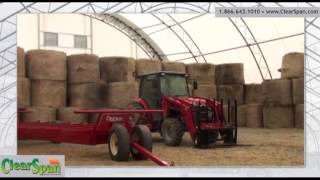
[{"x": 159, "y": 72}]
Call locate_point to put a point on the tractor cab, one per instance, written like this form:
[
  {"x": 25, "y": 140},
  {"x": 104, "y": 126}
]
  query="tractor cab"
[{"x": 154, "y": 86}]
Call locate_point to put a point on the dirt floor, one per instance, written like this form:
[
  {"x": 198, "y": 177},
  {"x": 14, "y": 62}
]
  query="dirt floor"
[{"x": 270, "y": 147}]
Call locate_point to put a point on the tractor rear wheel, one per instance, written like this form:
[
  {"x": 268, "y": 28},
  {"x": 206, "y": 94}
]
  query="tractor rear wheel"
[
  {"x": 119, "y": 143},
  {"x": 172, "y": 131},
  {"x": 142, "y": 135}
]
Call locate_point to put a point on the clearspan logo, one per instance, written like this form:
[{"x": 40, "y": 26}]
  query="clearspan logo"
[{"x": 35, "y": 167}]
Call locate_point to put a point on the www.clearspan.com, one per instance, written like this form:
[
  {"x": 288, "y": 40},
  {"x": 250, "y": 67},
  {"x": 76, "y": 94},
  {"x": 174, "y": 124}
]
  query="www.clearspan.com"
[
  {"x": 8, "y": 166},
  {"x": 292, "y": 11}
]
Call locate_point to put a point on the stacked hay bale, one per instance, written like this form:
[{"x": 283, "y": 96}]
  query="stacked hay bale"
[
  {"x": 23, "y": 83},
  {"x": 47, "y": 71},
  {"x": 145, "y": 66},
  {"x": 205, "y": 76},
  {"x": 119, "y": 73},
  {"x": 85, "y": 90},
  {"x": 293, "y": 69},
  {"x": 253, "y": 100},
  {"x": 230, "y": 85},
  {"x": 278, "y": 109},
  {"x": 174, "y": 66}
]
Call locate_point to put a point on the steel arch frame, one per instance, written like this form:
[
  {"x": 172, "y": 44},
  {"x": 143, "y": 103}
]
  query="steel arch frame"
[
  {"x": 180, "y": 38},
  {"x": 127, "y": 28}
]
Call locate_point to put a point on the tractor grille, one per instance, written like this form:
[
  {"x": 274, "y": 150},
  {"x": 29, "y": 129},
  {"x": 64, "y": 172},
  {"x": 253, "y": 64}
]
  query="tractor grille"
[{"x": 202, "y": 114}]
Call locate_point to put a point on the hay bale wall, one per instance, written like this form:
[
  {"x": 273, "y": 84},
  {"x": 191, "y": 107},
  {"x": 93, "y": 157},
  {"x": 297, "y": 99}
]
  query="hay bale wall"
[
  {"x": 229, "y": 74},
  {"x": 46, "y": 65},
  {"x": 292, "y": 65},
  {"x": 253, "y": 93},
  {"x": 117, "y": 69},
  {"x": 231, "y": 92},
  {"x": 242, "y": 115},
  {"x": 254, "y": 118},
  {"x": 174, "y": 66},
  {"x": 66, "y": 114},
  {"x": 48, "y": 93},
  {"x": 144, "y": 66},
  {"x": 232, "y": 112},
  {"x": 86, "y": 94},
  {"x": 39, "y": 114},
  {"x": 121, "y": 94},
  {"x": 83, "y": 68},
  {"x": 277, "y": 92},
  {"x": 299, "y": 116},
  {"x": 23, "y": 92},
  {"x": 206, "y": 90},
  {"x": 298, "y": 91},
  {"x": 203, "y": 73},
  {"x": 278, "y": 117},
  {"x": 21, "y": 62}
]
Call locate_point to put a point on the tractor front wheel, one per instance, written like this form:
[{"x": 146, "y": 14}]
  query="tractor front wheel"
[
  {"x": 119, "y": 143},
  {"x": 141, "y": 135},
  {"x": 227, "y": 136},
  {"x": 172, "y": 131}
]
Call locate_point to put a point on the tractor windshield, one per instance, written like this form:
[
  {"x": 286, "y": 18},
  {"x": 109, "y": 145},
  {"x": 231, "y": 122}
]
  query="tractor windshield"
[{"x": 174, "y": 85}]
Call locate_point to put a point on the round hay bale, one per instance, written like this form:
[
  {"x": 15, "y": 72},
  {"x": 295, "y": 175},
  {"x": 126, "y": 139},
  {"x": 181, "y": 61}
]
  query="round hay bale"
[
  {"x": 174, "y": 66},
  {"x": 83, "y": 68},
  {"x": 229, "y": 74},
  {"x": 254, "y": 117},
  {"x": 299, "y": 116},
  {"x": 144, "y": 66},
  {"x": 277, "y": 92},
  {"x": 46, "y": 65},
  {"x": 278, "y": 117},
  {"x": 231, "y": 92},
  {"x": 206, "y": 90},
  {"x": 241, "y": 114},
  {"x": 48, "y": 93},
  {"x": 117, "y": 69},
  {"x": 66, "y": 114},
  {"x": 292, "y": 65},
  {"x": 253, "y": 93},
  {"x": 23, "y": 92},
  {"x": 298, "y": 91},
  {"x": 121, "y": 94},
  {"x": 39, "y": 114},
  {"x": 225, "y": 112},
  {"x": 21, "y": 63},
  {"x": 86, "y": 94},
  {"x": 202, "y": 72}
]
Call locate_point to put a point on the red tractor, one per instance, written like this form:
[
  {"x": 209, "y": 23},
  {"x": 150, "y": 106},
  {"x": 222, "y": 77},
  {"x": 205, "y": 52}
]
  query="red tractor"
[{"x": 202, "y": 117}]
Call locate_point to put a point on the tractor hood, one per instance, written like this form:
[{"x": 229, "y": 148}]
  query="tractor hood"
[{"x": 188, "y": 101}]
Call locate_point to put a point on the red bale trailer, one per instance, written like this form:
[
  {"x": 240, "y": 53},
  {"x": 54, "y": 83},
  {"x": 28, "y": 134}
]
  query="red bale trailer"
[{"x": 120, "y": 129}]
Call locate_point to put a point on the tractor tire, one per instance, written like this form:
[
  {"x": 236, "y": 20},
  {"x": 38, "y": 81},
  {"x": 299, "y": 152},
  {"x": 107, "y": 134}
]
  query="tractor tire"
[
  {"x": 227, "y": 136},
  {"x": 142, "y": 135},
  {"x": 204, "y": 139},
  {"x": 172, "y": 131},
  {"x": 119, "y": 143}
]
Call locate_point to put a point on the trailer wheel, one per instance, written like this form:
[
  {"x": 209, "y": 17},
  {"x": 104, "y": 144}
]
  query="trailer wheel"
[
  {"x": 172, "y": 131},
  {"x": 119, "y": 143},
  {"x": 142, "y": 135}
]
